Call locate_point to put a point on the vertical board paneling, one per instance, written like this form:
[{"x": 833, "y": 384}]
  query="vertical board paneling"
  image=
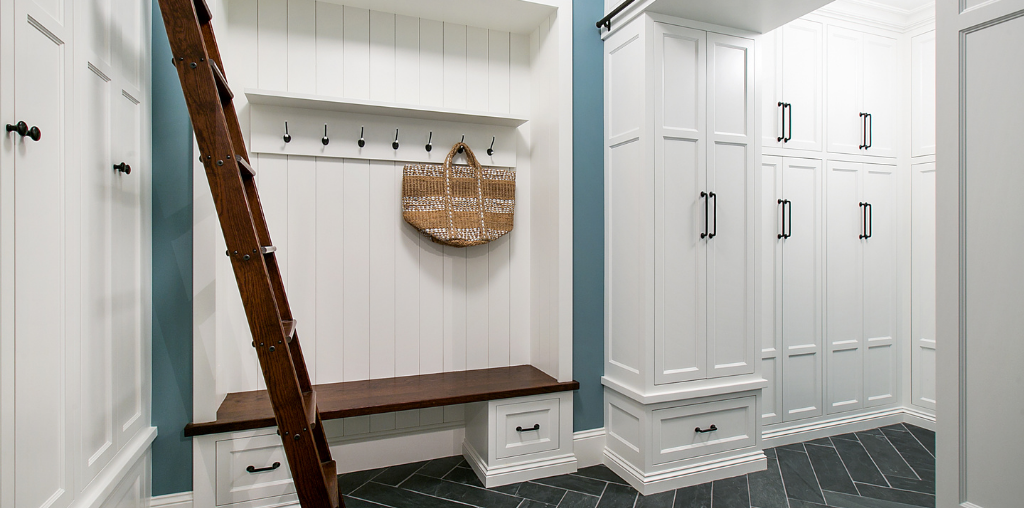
[
  {"x": 356, "y": 228},
  {"x": 454, "y": 66},
  {"x": 407, "y": 294},
  {"x": 476, "y": 69},
  {"x": 519, "y": 76},
  {"x": 330, "y": 49},
  {"x": 407, "y": 60},
  {"x": 302, "y": 237},
  {"x": 273, "y": 187},
  {"x": 272, "y": 44},
  {"x": 357, "y": 53},
  {"x": 455, "y": 309},
  {"x": 476, "y": 308},
  {"x": 240, "y": 50},
  {"x": 383, "y": 218},
  {"x": 519, "y": 240},
  {"x": 330, "y": 247},
  {"x": 431, "y": 307},
  {"x": 498, "y": 304},
  {"x": 497, "y": 74},
  {"x": 382, "y": 56},
  {"x": 431, "y": 63},
  {"x": 302, "y": 46}
]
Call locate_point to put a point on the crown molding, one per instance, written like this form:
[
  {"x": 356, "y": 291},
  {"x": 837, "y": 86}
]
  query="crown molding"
[{"x": 887, "y": 17}]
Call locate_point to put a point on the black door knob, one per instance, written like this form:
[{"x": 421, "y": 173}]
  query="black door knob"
[
  {"x": 20, "y": 127},
  {"x": 124, "y": 168},
  {"x": 34, "y": 133}
]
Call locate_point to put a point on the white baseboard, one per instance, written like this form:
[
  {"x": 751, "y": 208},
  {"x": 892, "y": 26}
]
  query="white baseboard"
[
  {"x": 588, "y": 445},
  {"x": 920, "y": 417},
  {"x": 799, "y": 432},
  {"x": 180, "y": 500},
  {"x": 519, "y": 471},
  {"x": 690, "y": 474}
]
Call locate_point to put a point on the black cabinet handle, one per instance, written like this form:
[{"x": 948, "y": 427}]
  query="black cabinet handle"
[
  {"x": 709, "y": 429},
  {"x": 21, "y": 128},
  {"x": 35, "y": 133},
  {"x": 863, "y": 220},
  {"x": 783, "y": 233},
  {"x": 536, "y": 426},
  {"x": 124, "y": 168},
  {"x": 707, "y": 200},
  {"x": 870, "y": 227},
  {"x": 789, "y": 136},
  {"x": 254, "y": 469},
  {"x": 714, "y": 227},
  {"x": 871, "y": 132},
  {"x": 783, "y": 131},
  {"x": 787, "y": 229},
  {"x": 863, "y": 131}
]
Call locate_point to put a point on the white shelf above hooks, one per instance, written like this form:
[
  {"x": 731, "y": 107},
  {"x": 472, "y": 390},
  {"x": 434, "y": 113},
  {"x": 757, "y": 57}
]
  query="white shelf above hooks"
[{"x": 365, "y": 107}]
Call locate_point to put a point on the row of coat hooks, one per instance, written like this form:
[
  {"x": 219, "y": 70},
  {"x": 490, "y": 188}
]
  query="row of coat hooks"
[{"x": 394, "y": 144}]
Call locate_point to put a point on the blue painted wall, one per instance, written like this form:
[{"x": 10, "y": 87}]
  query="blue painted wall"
[
  {"x": 172, "y": 247},
  {"x": 172, "y": 272}
]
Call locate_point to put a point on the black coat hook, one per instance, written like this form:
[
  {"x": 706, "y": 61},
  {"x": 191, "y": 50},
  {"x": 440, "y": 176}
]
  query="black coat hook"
[
  {"x": 430, "y": 146},
  {"x": 325, "y": 139},
  {"x": 461, "y": 149},
  {"x": 395, "y": 143},
  {"x": 490, "y": 151},
  {"x": 361, "y": 142},
  {"x": 287, "y": 137}
]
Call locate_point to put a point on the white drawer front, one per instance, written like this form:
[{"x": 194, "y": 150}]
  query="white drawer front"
[
  {"x": 676, "y": 437},
  {"x": 527, "y": 427},
  {"x": 236, "y": 484}
]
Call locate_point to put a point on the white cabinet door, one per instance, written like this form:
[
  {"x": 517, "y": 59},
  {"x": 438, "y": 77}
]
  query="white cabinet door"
[
  {"x": 44, "y": 292},
  {"x": 770, "y": 74},
  {"x": 922, "y": 94},
  {"x": 880, "y": 90},
  {"x": 770, "y": 290},
  {"x": 730, "y": 337},
  {"x": 845, "y": 78},
  {"x": 680, "y": 176},
  {"x": 880, "y": 350},
  {"x": 844, "y": 297},
  {"x": 801, "y": 288},
  {"x": 922, "y": 326},
  {"x": 801, "y": 83}
]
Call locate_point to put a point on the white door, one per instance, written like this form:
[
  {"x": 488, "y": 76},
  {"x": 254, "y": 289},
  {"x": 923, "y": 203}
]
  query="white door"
[
  {"x": 922, "y": 326},
  {"x": 680, "y": 177},
  {"x": 44, "y": 301},
  {"x": 802, "y": 288},
  {"x": 844, "y": 296},
  {"x": 770, "y": 291},
  {"x": 922, "y": 94},
  {"x": 880, "y": 91},
  {"x": 769, "y": 72},
  {"x": 845, "y": 78},
  {"x": 801, "y": 83},
  {"x": 880, "y": 350},
  {"x": 730, "y": 337}
]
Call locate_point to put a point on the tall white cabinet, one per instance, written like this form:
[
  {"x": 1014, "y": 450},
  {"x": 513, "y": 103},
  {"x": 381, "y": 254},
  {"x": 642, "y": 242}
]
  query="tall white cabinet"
[
  {"x": 74, "y": 269},
  {"x": 682, "y": 378},
  {"x": 862, "y": 93}
]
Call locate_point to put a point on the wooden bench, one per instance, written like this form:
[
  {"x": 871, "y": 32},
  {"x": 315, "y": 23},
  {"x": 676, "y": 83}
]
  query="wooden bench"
[{"x": 252, "y": 410}]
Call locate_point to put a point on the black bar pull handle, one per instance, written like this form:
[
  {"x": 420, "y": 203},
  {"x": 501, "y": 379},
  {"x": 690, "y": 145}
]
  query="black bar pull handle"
[
  {"x": 714, "y": 227},
  {"x": 789, "y": 136},
  {"x": 863, "y": 131},
  {"x": 871, "y": 131},
  {"x": 536, "y": 426},
  {"x": 699, "y": 430},
  {"x": 782, "y": 133},
  {"x": 707, "y": 200},
  {"x": 254, "y": 469},
  {"x": 863, "y": 220},
  {"x": 783, "y": 233},
  {"x": 871, "y": 220},
  {"x": 789, "y": 231}
]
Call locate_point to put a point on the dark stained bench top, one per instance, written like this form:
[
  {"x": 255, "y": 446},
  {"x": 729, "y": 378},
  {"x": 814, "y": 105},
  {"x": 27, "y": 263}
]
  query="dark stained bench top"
[{"x": 252, "y": 410}]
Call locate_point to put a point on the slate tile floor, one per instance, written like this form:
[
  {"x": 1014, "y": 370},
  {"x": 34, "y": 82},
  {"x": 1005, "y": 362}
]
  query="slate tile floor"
[{"x": 890, "y": 467}]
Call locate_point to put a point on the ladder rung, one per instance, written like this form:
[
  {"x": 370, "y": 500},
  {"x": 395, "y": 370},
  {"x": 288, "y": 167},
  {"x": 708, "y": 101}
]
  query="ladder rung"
[
  {"x": 309, "y": 401},
  {"x": 330, "y": 469},
  {"x": 222, "y": 82},
  {"x": 289, "y": 329},
  {"x": 202, "y": 11},
  {"x": 246, "y": 166},
  {"x": 268, "y": 249}
]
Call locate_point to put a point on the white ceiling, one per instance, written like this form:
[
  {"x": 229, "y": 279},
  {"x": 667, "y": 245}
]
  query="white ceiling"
[{"x": 905, "y": 5}]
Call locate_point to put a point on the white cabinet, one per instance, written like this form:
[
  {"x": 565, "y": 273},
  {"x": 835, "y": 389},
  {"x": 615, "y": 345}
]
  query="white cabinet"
[
  {"x": 922, "y": 325},
  {"x": 862, "y": 93},
  {"x": 860, "y": 285},
  {"x": 922, "y": 104},
  {"x": 792, "y": 88},
  {"x": 792, "y": 242},
  {"x": 680, "y": 204}
]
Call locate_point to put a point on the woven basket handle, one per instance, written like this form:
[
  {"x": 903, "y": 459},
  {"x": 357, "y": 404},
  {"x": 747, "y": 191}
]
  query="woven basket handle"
[{"x": 470, "y": 156}]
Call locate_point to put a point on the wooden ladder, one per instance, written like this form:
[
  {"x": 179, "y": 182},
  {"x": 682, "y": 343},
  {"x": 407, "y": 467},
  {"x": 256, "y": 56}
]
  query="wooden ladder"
[{"x": 232, "y": 182}]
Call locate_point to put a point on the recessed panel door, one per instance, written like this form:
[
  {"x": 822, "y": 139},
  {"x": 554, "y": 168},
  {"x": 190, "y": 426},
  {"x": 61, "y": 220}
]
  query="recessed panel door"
[
  {"x": 801, "y": 83},
  {"x": 922, "y": 325},
  {"x": 880, "y": 92},
  {"x": 844, "y": 296},
  {"x": 770, "y": 74},
  {"x": 680, "y": 177},
  {"x": 769, "y": 326},
  {"x": 845, "y": 77},
  {"x": 801, "y": 288},
  {"x": 880, "y": 353}
]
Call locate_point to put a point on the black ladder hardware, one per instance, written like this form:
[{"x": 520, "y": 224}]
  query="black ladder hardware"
[
  {"x": 699, "y": 430},
  {"x": 785, "y": 233},
  {"x": 124, "y": 168},
  {"x": 536, "y": 426},
  {"x": 707, "y": 207},
  {"x": 606, "y": 22}
]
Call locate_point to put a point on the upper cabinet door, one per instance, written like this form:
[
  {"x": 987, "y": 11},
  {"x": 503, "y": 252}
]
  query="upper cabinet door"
[
  {"x": 801, "y": 83},
  {"x": 680, "y": 143},
  {"x": 880, "y": 90},
  {"x": 922, "y": 95},
  {"x": 730, "y": 178},
  {"x": 769, "y": 71},
  {"x": 845, "y": 78}
]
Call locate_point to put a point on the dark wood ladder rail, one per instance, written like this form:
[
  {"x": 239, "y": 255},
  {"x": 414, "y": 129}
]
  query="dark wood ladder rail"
[
  {"x": 291, "y": 397},
  {"x": 252, "y": 410}
]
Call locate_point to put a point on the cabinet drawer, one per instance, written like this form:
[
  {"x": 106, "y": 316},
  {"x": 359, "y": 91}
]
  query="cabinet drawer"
[
  {"x": 527, "y": 427},
  {"x": 235, "y": 483},
  {"x": 676, "y": 437}
]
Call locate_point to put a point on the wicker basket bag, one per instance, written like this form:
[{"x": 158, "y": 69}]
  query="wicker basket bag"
[{"x": 458, "y": 205}]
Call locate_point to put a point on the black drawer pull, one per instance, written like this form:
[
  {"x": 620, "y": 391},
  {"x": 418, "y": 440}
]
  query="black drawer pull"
[
  {"x": 709, "y": 429},
  {"x": 536, "y": 426},
  {"x": 253, "y": 469}
]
